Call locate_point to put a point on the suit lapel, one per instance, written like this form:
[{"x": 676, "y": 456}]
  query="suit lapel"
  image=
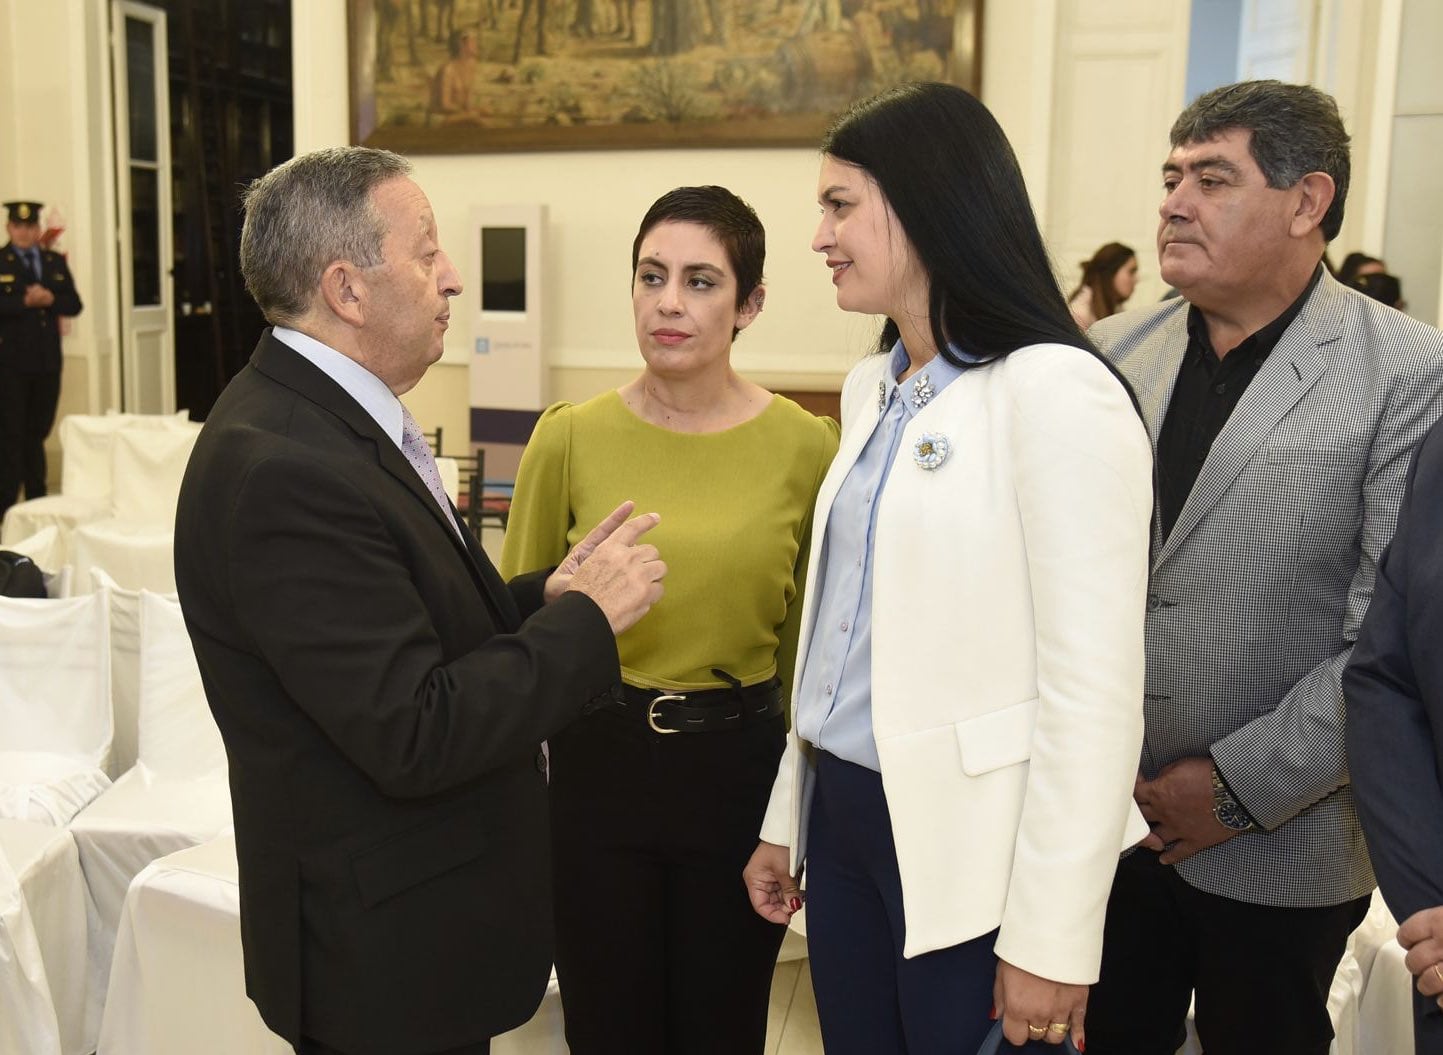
[
  {"x": 1292, "y": 368},
  {"x": 288, "y": 367}
]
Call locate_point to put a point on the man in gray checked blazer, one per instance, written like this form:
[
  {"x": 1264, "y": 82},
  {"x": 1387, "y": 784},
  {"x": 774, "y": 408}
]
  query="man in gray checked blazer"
[{"x": 1282, "y": 408}]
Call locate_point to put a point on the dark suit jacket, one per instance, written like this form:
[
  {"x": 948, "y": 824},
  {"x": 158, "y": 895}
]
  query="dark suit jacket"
[
  {"x": 382, "y": 696},
  {"x": 1394, "y": 691},
  {"x": 30, "y": 337}
]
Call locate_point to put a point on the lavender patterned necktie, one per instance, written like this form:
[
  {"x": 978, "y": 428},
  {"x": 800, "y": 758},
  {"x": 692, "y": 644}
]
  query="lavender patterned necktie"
[{"x": 418, "y": 453}]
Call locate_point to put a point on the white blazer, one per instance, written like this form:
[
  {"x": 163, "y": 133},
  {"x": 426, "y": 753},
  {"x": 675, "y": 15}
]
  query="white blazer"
[{"x": 1019, "y": 565}]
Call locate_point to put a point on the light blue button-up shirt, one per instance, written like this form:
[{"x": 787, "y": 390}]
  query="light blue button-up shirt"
[
  {"x": 834, "y": 700},
  {"x": 360, "y": 384}
]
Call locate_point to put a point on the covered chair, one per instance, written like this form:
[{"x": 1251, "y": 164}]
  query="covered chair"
[
  {"x": 47, "y": 549},
  {"x": 177, "y": 983},
  {"x": 43, "y": 946},
  {"x": 175, "y": 796},
  {"x": 86, "y": 476},
  {"x": 133, "y": 544},
  {"x": 55, "y": 716}
]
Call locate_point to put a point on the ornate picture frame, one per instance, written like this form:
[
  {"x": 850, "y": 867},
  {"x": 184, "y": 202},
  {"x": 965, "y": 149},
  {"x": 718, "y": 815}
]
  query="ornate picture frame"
[{"x": 476, "y": 76}]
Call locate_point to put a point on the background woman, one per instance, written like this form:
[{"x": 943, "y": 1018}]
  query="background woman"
[
  {"x": 969, "y": 703},
  {"x": 1108, "y": 279},
  {"x": 658, "y": 950}
]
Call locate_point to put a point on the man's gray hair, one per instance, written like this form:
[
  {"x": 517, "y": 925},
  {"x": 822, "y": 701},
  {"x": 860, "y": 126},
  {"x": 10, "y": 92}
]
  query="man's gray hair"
[
  {"x": 1295, "y": 130},
  {"x": 304, "y": 215}
]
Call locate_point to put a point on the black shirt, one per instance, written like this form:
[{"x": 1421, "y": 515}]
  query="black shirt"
[{"x": 1207, "y": 391}]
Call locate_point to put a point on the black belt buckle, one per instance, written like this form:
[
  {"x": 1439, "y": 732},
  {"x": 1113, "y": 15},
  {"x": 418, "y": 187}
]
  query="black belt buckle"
[{"x": 651, "y": 712}]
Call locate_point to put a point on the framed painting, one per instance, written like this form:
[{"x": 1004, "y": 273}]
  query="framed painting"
[{"x": 470, "y": 76}]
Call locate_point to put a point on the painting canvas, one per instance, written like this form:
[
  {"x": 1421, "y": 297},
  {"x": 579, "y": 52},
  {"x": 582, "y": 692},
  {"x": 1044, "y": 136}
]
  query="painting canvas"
[{"x": 434, "y": 76}]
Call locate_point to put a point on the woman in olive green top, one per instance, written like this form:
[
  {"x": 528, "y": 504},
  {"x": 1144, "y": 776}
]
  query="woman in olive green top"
[{"x": 657, "y": 948}]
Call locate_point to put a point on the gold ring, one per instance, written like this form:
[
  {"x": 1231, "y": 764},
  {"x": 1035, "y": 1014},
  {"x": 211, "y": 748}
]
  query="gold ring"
[
  {"x": 1037, "y": 1032},
  {"x": 1060, "y": 1028},
  {"x": 1438, "y": 972}
]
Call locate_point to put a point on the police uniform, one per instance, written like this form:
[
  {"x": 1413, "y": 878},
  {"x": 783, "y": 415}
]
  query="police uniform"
[{"x": 29, "y": 356}]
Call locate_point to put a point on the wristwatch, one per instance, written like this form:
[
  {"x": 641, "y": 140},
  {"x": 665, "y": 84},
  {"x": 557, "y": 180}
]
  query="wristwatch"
[{"x": 1230, "y": 813}]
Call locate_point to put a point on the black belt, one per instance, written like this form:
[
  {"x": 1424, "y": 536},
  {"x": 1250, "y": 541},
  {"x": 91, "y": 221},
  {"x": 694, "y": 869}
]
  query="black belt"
[{"x": 702, "y": 710}]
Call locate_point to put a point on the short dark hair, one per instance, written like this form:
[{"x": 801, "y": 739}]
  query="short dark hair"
[
  {"x": 304, "y": 215},
  {"x": 1296, "y": 129},
  {"x": 945, "y": 167},
  {"x": 732, "y": 221}
]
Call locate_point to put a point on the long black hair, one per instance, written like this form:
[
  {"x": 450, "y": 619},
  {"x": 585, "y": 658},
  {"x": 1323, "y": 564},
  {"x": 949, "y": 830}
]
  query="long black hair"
[{"x": 944, "y": 165}]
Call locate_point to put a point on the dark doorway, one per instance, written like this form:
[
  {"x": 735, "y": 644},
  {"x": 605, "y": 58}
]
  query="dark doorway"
[{"x": 231, "y": 118}]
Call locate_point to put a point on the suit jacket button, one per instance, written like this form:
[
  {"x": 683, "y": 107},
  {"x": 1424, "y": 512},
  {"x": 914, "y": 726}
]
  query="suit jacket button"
[
  {"x": 1154, "y": 602},
  {"x": 541, "y": 761}
]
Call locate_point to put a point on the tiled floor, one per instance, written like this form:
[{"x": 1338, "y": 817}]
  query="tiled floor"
[{"x": 792, "y": 1026}]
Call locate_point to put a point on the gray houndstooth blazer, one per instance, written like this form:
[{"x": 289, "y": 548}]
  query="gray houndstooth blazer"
[{"x": 1257, "y": 594}]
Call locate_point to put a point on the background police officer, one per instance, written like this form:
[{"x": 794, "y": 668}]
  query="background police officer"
[{"x": 35, "y": 290}]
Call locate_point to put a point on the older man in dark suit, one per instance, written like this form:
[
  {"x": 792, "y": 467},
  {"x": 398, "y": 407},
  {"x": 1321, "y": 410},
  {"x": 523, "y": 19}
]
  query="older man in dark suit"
[
  {"x": 1394, "y": 689},
  {"x": 382, "y": 693},
  {"x": 1283, "y": 408}
]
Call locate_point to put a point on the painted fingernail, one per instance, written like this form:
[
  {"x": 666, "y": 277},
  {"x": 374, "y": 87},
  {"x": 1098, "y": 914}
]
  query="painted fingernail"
[
  {"x": 1081, "y": 1046},
  {"x": 795, "y": 904},
  {"x": 992, "y": 1012}
]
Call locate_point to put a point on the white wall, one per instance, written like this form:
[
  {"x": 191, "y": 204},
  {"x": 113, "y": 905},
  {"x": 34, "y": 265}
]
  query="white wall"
[
  {"x": 54, "y": 147},
  {"x": 1413, "y": 237},
  {"x": 1119, "y": 74}
]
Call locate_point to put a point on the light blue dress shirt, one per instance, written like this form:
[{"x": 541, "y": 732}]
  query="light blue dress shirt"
[
  {"x": 360, "y": 384},
  {"x": 834, "y": 701}
]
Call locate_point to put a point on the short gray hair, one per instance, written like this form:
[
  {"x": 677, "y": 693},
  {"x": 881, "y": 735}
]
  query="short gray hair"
[
  {"x": 304, "y": 215},
  {"x": 1296, "y": 129}
]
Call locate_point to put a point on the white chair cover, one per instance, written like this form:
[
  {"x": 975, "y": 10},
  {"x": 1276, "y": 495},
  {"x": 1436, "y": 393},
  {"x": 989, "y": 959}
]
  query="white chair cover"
[
  {"x": 54, "y": 1012},
  {"x": 147, "y": 466},
  {"x": 124, "y": 607},
  {"x": 86, "y": 441},
  {"x": 176, "y": 983},
  {"x": 1385, "y": 1017},
  {"x": 86, "y": 475},
  {"x": 43, "y": 548},
  {"x": 136, "y": 556},
  {"x": 28, "y": 1025},
  {"x": 177, "y": 794},
  {"x": 178, "y": 735},
  {"x": 62, "y": 512},
  {"x": 450, "y": 471},
  {"x": 55, "y": 717}
]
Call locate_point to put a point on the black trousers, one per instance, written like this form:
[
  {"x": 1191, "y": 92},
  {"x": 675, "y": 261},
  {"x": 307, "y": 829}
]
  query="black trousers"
[
  {"x": 658, "y": 951},
  {"x": 27, "y": 411},
  {"x": 1261, "y": 974}
]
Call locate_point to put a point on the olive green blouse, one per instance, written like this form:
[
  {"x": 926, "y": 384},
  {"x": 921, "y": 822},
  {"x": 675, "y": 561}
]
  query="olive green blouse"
[{"x": 736, "y": 516}]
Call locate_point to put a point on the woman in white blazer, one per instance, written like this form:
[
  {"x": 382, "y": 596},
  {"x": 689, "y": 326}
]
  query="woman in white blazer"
[{"x": 968, "y": 704}]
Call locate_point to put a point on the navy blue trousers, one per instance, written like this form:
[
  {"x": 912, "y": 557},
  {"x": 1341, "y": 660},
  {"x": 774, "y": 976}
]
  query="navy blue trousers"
[{"x": 870, "y": 1000}]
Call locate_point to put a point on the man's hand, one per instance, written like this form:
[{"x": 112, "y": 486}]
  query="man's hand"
[
  {"x": 774, "y": 891},
  {"x": 1179, "y": 806},
  {"x": 37, "y": 296},
  {"x": 1422, "y": 935},
  {"x": 1027, "y": 1003},
  {"x": 559, "y": 581},
  {"x": 609, "y": 566}
]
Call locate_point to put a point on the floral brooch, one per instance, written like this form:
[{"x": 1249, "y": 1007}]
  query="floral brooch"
[{"x": 931, "y": 450}]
